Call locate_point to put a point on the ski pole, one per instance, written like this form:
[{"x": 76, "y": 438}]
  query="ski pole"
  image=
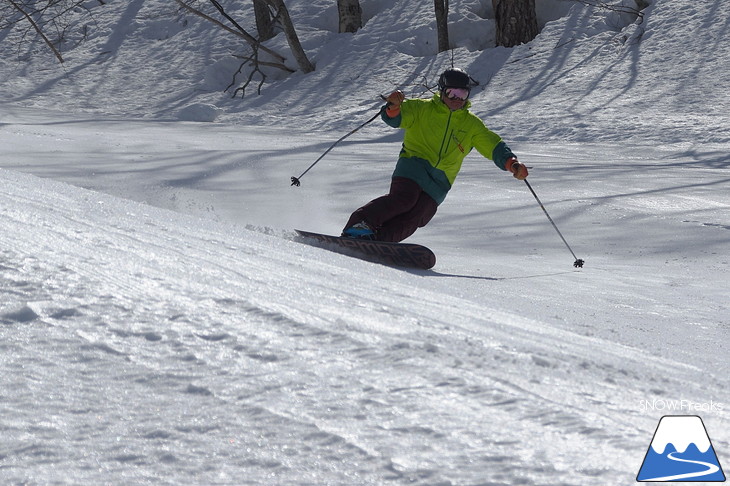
[
  {"x": 295, "y": 180},
  {"x": 578, "y": 262}
]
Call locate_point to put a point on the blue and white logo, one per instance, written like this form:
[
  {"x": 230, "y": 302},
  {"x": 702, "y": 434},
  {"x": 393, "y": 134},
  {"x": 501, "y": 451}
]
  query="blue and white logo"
[{"x": 681, "y": 451}]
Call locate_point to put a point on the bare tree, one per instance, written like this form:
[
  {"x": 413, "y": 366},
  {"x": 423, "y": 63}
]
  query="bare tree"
[
  {"x": 621, "y": 9},
  {"x": 236, "y": 30},
  {"x": 516, "y": 21},
  {"x": 350, "y": 14},
  {"x": 264, "y": 20},
  {"x": 442, "y": 23},
  {"x": 282, "y": 16},
  {"x": 49, "y": 19},
  {"x": 282, "y": 13}
]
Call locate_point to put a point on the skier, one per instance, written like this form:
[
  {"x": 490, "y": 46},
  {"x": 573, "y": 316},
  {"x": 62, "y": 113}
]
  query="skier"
[{"x": 439, "y": 133}]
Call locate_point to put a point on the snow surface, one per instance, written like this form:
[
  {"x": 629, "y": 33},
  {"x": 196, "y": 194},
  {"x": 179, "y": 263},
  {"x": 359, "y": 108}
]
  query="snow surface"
[{"x": 161, "y": 324}]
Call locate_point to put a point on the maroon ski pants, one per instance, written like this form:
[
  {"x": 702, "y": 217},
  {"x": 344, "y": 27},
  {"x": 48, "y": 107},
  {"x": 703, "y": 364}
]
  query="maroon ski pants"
[{"x": 398, "y": 214}]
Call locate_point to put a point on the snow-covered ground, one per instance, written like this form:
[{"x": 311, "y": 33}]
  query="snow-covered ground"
[{"x": 161, "y": 324}]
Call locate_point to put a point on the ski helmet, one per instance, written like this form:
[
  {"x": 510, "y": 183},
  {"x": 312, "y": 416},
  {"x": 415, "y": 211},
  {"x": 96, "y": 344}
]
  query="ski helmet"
[{"x": 454, "y": 78}]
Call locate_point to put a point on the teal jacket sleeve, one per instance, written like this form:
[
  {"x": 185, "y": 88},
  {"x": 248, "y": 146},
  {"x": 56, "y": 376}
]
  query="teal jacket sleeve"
[
  {"x": 393, "y": 122},
  {"x": 501, "y": 154}
]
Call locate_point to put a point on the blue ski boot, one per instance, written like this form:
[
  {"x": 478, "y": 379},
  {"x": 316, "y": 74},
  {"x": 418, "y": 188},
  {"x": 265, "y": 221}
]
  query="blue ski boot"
[{"x": 360, "y": 230}]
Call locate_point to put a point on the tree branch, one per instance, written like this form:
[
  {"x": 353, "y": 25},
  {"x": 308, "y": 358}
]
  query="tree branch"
[
  {"x": 240, "y": 33},
  {"x": 38, "y": 30}
]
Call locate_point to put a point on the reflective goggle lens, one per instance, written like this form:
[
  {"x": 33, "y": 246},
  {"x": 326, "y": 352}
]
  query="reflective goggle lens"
[{"x": 460, "y": 94}]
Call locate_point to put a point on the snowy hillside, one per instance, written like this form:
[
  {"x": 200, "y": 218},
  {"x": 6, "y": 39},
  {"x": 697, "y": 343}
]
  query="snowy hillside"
[
  {"x": 592, "y": 74},
  {"x": 161, "y": 324}
]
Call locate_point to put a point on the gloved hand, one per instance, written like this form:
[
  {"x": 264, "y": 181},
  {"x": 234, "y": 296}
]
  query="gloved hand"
[
  {"x": 394, "y": 100},
  {"x": 519, "y": 170}
]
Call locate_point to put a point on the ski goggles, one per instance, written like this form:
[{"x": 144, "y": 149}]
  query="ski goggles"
[{"x": 457, "y": 94}]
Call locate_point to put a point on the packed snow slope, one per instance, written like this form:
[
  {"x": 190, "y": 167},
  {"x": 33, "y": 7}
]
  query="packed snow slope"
[
  {"x": 143, "y": 346},
  {"x": 161, "y": 324}
]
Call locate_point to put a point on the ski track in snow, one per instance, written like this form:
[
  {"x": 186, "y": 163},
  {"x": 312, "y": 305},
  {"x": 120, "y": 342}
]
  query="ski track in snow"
[{"x": 253, "y": 367}]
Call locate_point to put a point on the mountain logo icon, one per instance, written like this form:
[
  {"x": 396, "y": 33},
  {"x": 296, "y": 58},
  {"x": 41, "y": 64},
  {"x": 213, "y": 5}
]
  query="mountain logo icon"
[{"x": 681, "y": 451}]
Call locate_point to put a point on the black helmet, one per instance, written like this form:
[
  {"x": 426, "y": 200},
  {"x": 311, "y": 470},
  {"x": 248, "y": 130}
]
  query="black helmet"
[{"x": 454, "y": 78}]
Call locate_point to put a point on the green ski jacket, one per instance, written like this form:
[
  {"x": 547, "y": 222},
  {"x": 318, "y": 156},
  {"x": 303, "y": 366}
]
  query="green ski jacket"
[{"x": 436, "y": 140}]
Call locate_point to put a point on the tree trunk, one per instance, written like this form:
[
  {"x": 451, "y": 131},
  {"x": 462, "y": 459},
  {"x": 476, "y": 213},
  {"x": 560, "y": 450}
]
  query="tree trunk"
[
  {"x": 264, "y": 22},
  {"x": 291, "y": 36},
  {"x": 442, "y": 23},
  {"x": 350, "y": 15},
  {"x": 516, "y": 21}
]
